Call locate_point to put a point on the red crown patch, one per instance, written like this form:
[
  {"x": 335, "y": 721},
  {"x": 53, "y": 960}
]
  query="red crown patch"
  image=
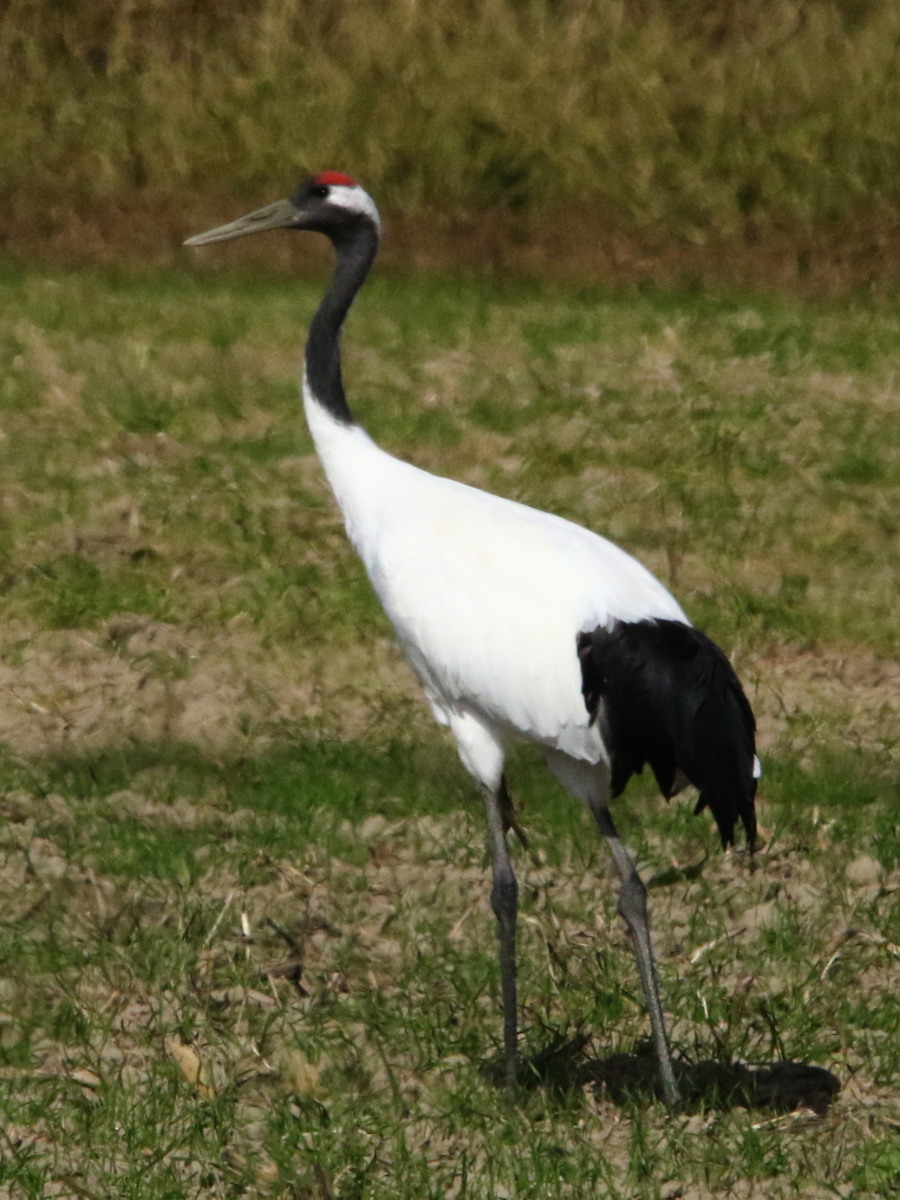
[{"x": 335, "y": 178}]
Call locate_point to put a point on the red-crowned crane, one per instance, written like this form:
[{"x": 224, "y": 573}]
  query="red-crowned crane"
[{"x": 519, "y": 624}]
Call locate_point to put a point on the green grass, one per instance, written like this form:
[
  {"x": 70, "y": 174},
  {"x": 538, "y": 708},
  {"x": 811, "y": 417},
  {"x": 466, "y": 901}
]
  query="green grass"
[
  {"x": 372, "y": 1081},
  {"x": 246, "y": 942},
  {"x": 744, "y": 447}
]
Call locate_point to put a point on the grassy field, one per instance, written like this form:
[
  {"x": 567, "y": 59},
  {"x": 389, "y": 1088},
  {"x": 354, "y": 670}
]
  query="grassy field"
[
  {"x": 246, "y": 941},
  {"x": 768, "y": 125}
]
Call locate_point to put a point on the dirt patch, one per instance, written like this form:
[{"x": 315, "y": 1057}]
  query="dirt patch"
[
  {"x": 139, "y": 679},
  {"x": 859, "y": 688}
]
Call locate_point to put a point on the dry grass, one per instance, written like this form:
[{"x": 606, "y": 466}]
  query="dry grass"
[{"x": 768, "y": 128}]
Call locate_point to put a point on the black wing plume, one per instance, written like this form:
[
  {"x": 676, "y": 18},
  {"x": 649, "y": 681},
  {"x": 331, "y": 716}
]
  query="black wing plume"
[{"x": 666, "y": 695}]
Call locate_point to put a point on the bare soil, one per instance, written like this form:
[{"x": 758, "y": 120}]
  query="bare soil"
[{"x": 144, "y": 680}]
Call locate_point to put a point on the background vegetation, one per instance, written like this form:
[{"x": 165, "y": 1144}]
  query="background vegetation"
[{"x": 663, "y": 122}]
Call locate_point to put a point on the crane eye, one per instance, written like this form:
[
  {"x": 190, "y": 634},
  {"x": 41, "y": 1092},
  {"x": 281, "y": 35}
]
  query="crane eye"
[{"x": 321, "y": 190}]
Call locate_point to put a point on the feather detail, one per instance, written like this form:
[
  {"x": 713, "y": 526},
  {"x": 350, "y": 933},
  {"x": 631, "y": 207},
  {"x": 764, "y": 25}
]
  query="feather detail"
[{"x": 666, "y": 695}]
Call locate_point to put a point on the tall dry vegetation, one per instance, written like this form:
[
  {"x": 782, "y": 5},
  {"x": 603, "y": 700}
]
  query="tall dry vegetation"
[{"x": 686, "y": 117}]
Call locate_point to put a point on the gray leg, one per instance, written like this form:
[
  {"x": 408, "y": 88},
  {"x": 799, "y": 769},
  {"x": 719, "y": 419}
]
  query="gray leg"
[
  {"x": 504, "y": 901},
  {"x": 633, "y": 909}
]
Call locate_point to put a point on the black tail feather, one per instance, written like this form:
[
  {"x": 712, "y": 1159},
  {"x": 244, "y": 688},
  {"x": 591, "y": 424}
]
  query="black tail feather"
[{"x": 666, "y": 695}]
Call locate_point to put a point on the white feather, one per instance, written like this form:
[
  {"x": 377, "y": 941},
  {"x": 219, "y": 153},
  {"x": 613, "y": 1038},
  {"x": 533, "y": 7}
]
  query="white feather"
[
  {"x": 354, "y": 198},
  {"x": 487, "y": 596}
]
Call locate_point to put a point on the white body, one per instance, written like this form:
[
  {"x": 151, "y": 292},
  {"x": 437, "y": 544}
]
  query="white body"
[{"x": 487, "y": 597}]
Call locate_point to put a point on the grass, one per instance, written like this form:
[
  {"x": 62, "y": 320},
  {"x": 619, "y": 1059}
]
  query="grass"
[
  {"x": 665, "y": 122},
  {"x": 247, "y": 947}
]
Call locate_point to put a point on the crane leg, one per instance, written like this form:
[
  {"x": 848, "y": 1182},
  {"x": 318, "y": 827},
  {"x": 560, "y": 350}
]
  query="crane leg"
[
  {"x": 508, "y": 812},
  {"x": 504, "y": 901},
  {"x": 633, "y": 910}
]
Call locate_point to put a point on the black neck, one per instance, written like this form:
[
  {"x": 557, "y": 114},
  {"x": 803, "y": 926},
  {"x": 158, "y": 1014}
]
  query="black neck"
[{"x": 356, "y": 250}]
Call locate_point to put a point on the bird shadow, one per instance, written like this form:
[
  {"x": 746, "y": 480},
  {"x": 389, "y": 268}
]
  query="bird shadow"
[{"x": 705, "y": 1085}]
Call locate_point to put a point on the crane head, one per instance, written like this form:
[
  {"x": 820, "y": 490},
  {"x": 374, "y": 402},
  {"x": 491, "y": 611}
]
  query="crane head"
[{"x": 329, "y": 203}]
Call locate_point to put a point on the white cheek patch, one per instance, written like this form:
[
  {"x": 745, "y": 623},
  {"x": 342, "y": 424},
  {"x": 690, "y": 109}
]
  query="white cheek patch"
[{"x": 354, "y": 199}]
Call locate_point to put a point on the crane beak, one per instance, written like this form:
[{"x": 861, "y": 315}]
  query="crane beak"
[{"x": 280, "y": 215}]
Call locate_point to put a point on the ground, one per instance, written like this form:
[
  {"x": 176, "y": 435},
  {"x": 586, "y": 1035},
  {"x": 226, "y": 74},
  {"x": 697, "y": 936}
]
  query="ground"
[{"x": 247, "y": 944}]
